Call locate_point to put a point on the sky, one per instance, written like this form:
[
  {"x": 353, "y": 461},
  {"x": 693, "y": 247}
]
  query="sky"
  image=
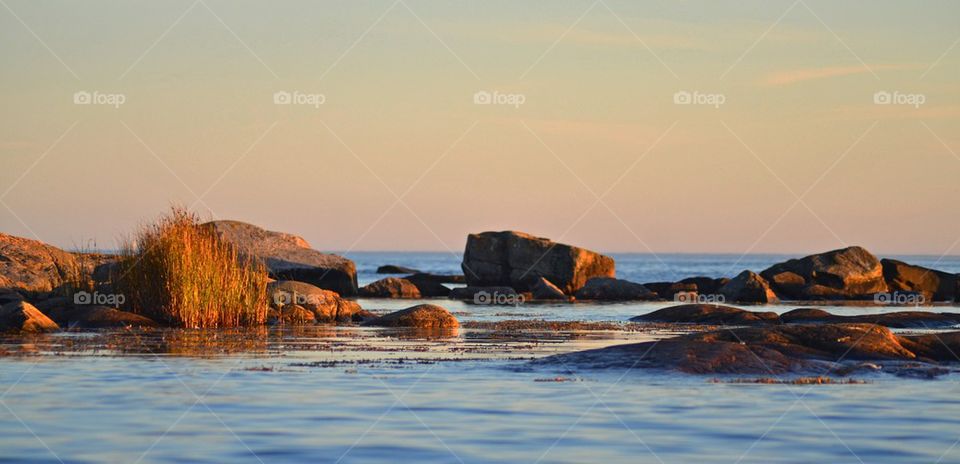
[{"x": 646, "y": 126}]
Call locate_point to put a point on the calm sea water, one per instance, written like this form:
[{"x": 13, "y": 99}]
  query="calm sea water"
[{"x": 288, "y": 397}]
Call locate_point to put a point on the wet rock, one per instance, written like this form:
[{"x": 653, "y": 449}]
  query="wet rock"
[
  {"x": 934, "y": 285},
  {"x": 708, "y": 314},
  {"x": 29, "y": 266},
  {"x": 425, "y": 316},
  {"x": 770, "y": 349},
  {"x": 289, "y": 257},
  {"x": 363, "y": 315},
  {"x": 610, "y": 289},
  {"x": 326, "y": 305},
  {"x": 391, "y": 287},
  {"x": 431, "y": 285},
  {"x": 394, "y": 269},
  {"x": 706, "y": 285},
  {"x": 545, "y": 290},
  {"x": 20, "y": 316},
  {"x": 896, "y": 320},
  {"x": 748, "y": 287},
  {"x": 516, "y": 260},
  {"x": 98, "y": 317},
  {"x": 848, "y": 273}
]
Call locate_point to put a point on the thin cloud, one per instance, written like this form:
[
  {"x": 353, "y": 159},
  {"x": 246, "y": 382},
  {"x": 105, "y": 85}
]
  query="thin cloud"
[{"x": 794, "y": 76}]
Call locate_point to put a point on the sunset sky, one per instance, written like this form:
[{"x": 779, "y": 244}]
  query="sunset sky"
[{"x": 798, "y": 157}]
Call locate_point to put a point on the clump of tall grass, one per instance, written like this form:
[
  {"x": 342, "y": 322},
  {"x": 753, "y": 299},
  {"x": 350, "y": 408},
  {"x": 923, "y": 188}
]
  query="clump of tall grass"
[{"x": 178, "y": 272}]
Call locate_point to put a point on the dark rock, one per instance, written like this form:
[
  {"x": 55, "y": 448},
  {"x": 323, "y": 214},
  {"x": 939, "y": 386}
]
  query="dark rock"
[
  {"x": 545, "y": 290},
  {"x": 98, "y": 317},
  {"x": 394, "y": 269},
  {"x": 517, "y": 260},
  {"x": 848, "y": 273},
  {"x": 391, "y": 287},
  {"x": 770, "y": 349},
  {"x": 326, "y": 305},
  {"x": 486, "y": 295},
  {"x": 289, "y": 257},
  {"x": 706, "y": 285},
  {"x": 708, "y": 314},
  {"x": 20, "y": 316},
  {"x": 748, "y": 287},
  {"x": 669, "y": 290},
  {"x": 934, "y": 285},
  {"x": 363, "y": 316},
  {"x": 10, "y": 297},
  {"x": 430, "y": 285},
  {"x": 437, "y": 278},
  {"x": 896, "y": 320},
  {"x": 425, "y": 316},
  {"x": 610, "y": 289}
]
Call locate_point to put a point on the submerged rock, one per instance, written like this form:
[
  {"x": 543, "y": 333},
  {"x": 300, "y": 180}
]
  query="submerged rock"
[
  {"x": 425, "y": 316},
  {"x": 289, "y": 257},
  {"x": 394, "y": 269},
  {"x": 610, "y": 289},
  {"x": 848, "y": 273},
  {"x": 748, "y": 287},
  {"x": 934, "y": 285},
  {"x": 517, "y": 260},
  {"x": 391, "y": 287},
  {"x": 326, "y": 305},
  {"x": 708, "y": 314},
  {"x": 20, "y": 316}
]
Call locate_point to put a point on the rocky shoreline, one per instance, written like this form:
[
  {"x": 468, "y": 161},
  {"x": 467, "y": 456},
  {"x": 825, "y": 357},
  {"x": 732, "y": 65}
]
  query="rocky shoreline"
[{"x": 307, "y": 287}]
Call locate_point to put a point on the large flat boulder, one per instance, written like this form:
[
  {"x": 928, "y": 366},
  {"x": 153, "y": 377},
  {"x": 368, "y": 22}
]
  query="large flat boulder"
[
  {"x": 326, "y": 305},
  {"x": 20, "y": 316},
  {"x": 289, "y": 257},
  {"x": 32, "y": 267},
  {"x": 518, "y": 260},
  {"x": 425, "y": 316},
  {"x": 934, "y": 285},
  {"x": 708, "y": 314},
  {"x": 848, "y": 273}
]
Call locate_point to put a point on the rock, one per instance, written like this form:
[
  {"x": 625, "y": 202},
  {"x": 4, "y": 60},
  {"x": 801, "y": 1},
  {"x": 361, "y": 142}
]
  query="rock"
[
  {"x": 748, "y": 287},
  {"x": 326, "y": 305},
  {"x": 32, "y": 267},
  {"x": 437, "y": 278},
  {"x": 610, "y": 289},
  {"x": 708, "y": 314},
  {"x": 430, "y": 285},
  {"x": 895, "y": 320},
  {"x": 848, "y": 273},
  {"x": 289, "y": 257},
  {"x": 545, "y": 290},
  {"x": 425, "y": 316},
  {"x": 363, "y": 315},
  {"x": 99, "y": 317},
  {"x": 10, "y": 297},
  {"x": 769, "y": 349},
  {"x": 20, "y": 316},
  {"x": 706, "y": 285},
  {"x": 934, "y": 285},
  {"x": 394, "y": 269},
  {"x": 391, "y": 287},
  {"x": 486, "y": 295},
  {"x": 516, "y": 260},
  {"x": 669, "y": 290},
  {"x": 297, "y": 315}
]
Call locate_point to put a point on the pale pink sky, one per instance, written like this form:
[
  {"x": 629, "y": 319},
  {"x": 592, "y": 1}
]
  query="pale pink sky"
[{"x": 802, "y": 154}]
